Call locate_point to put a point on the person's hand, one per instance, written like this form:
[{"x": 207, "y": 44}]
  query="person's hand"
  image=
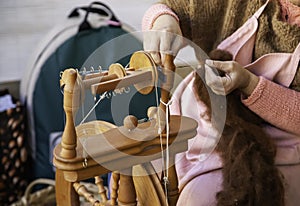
[
  {"x": 165, "y": 37},
  {"x": 233, "y": 76}
]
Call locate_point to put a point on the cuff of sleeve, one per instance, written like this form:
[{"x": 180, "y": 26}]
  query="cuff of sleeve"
[
  {"x": 153, "y": 13},
  {"x": 257, "y": 92}
]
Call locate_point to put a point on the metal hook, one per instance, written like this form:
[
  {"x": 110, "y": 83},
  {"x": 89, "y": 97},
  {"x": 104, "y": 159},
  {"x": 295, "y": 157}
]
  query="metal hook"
[
  {"x": 119, "y": 91},
  {"x": 62, "y": 88},
  {"x": 127, "y": 65},
  {"x": 108, "y": 95},
  {"x": 85, "y": 163},
  {"x": 127, "y": 90},
  {"x": 100, "y": 69},
  {"x": 84, "y": 71}
]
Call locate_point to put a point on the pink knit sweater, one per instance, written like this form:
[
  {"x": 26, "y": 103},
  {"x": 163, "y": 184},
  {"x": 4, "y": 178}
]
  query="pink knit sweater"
[
  {"x": 276, "y": 104},
  {"x": 290, "y": 12}
]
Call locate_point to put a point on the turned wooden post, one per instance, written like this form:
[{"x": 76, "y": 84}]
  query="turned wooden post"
[
  {"x": 114, "y": 187},
  {"x": 65, "y": 193},
  {"x": 173, "y": 191},
  {"x": 101, "y": 188},
  {"x": 127, "y": 193},
  {"x": 71, "y": 105},
  {"x": 169, "y": 70}
]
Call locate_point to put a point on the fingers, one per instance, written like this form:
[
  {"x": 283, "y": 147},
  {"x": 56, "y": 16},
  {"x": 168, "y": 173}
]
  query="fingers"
[
  {"x": 171, "y": 46},
  {"x": 156, "y": 57},
  {"x": 233, "y": 78},
  {"x": 166, "y": 45},
  {"x": 225, "y": 66},
  {"x": 151, "y": 44},
  {"x": 157, "y": 44},
  {"x": 165, "y": 37},
  {"x": 160, "y": 43},
  {"x": 214, "y": 81}
]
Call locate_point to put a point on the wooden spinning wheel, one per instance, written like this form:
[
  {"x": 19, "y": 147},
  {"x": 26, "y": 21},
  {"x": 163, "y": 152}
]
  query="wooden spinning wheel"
[{"x": 135, "y": 143}]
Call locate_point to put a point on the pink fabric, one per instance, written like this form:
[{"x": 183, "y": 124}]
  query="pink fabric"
[
  {"x": 196, "y": 192},
  {"x": 276, "y": 61},
  {"x": 198, "y": 168},
  {"x": 201, "y": 189},
  {"x": 290, "y": 12},
  {"x": 276, "y": 104},
  {"x": 277, "y": 67},
  {"x": 202, "y": 146},
  {"x": 153, "y": 13},
  {"x": 242, "y": 40}
]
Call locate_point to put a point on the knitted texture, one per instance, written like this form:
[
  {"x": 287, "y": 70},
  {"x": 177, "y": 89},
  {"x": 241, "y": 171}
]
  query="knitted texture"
[
  {"x": 208, "y": 22},
  {"x": 290, "y": 12},
  {"x": 153, "y": 13},
  {"x": 296, "y": 82},
  {"x": 264, "y": 100}
]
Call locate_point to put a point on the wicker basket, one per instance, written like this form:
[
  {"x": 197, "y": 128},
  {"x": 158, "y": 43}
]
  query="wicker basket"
[
  {"x": 42, "y": 197},
  {"x": 46, "y": 196},
  {"x": 13, "y": 153}
]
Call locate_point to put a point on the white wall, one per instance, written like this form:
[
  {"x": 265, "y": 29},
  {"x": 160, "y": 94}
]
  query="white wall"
[{"x": 24, "y": 23}]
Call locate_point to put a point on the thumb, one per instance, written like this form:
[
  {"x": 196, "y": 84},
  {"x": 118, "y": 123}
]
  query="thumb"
[
  {"x": 156, "y": 58},
  {"x": 220, "y": 65}
]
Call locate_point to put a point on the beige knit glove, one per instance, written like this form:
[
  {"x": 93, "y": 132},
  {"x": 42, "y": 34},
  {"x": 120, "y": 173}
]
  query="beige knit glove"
[
  {"x": 235, "y": 77},
  {"x": 165, "y": 37}
]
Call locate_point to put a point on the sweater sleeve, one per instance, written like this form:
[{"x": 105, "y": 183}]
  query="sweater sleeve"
[
  {"x": 278, "y": 105},
  {"x": 153, "y": 13},
  {"x": 178, "y": 9}
]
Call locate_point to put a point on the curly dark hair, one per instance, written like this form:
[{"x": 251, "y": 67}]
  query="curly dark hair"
[{"x": 250, "y": 176}]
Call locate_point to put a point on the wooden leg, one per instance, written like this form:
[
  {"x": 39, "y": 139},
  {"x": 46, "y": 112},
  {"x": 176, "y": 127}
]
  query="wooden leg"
[
  {"x": 173, "y": 192},
  {"x": 114, "y": 187},
  {"x": 127, "y": 193},
  {"x": 64, "y": 191}
]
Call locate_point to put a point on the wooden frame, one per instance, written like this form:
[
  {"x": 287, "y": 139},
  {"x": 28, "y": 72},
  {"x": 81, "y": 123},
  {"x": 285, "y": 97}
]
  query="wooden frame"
[{"x": 116, "y": 147}]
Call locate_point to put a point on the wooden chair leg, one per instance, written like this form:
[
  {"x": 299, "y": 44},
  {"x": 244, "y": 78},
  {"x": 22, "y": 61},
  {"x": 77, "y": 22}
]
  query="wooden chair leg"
[
  {"x": 173, "y": 192},
  {"x": 172, "y": 187},
  {"x": 101, "y": 188},
  {"x": 64, "y": 191},
  {"x": 127, "y": 193},
  {"x": 114, "y": 187}
]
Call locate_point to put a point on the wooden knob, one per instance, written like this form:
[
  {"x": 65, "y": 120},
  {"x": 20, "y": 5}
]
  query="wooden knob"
[
  {"x": 152, "y": 112},
  {"x": 130, "y": 122}
]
